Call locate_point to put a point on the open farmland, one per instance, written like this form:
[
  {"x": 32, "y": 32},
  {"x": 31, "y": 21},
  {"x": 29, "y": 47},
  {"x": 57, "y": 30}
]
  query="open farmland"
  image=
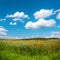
[{"x": 30, "y": 49}]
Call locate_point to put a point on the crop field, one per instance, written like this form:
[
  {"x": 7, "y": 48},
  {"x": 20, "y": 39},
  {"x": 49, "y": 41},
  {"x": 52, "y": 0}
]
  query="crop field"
[{"x": 32, "y": 49}]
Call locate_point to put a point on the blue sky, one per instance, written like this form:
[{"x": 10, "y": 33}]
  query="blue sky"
[{"x": 29, "y": 18}]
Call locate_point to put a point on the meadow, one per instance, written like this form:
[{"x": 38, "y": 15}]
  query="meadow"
[{"x": 30, "y": 49}]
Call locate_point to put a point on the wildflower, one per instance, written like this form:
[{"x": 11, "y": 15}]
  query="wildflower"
[{"x": 41, "y": 45}]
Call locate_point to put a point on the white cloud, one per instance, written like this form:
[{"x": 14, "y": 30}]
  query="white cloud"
[
  {"x": 56, "y": 11},
  {"x": 13, "y": 23},
  {"x": 10, "y": 37},
  {"x": 3, "y": 31},
  {"x": 58, "y": 15},
  {"x": 2, "y": 19},
  {"x": 55, "y": 34},
  {"x": 40, "y": 23},
  {"x": 17, "y": 16},
  {"x": 43, "y": 13}
]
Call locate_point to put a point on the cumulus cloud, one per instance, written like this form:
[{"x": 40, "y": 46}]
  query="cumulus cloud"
[
  {"x": 55, "y": 34},
  {"x": 56, "y": 11},
  {"x": 3, "y": 31},
  {"x": 43, "y": 13},
  {"x": 17, "y": 16},
  {"x": 40, "y": 23},
  {"x": 13, "y": 23},
  {"x": 58, "y": 15},
  {"x": 2, "y": 19}
]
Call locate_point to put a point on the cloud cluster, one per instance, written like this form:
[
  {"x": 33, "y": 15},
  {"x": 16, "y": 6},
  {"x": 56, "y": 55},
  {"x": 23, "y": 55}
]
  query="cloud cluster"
[
  {"x": 56, "y": 11},
  {"x": 17, "y": 16},
  {"x": 3, "y": 31},
  {"x": 13, "y": 23},
  {"x": 40, "y": 23},
  {"x": 2, "y": 19},
  {"x": 43, "y": 13},
  {"x": 55, "y": 34},
  {"x": 58, "y": 15}
]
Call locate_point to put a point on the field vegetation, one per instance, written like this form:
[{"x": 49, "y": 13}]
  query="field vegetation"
[{"x": 30, "y": 49}]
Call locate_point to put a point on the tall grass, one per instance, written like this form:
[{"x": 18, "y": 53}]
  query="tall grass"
[{"x": 29, "y": 49}]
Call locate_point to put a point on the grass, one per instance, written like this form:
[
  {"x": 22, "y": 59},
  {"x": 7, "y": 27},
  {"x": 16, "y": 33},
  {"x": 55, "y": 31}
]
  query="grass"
[{"x": 34, "y": 49}]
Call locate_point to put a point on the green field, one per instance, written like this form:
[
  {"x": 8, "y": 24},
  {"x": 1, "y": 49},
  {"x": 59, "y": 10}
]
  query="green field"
[{"x": 32, "y": 49}]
